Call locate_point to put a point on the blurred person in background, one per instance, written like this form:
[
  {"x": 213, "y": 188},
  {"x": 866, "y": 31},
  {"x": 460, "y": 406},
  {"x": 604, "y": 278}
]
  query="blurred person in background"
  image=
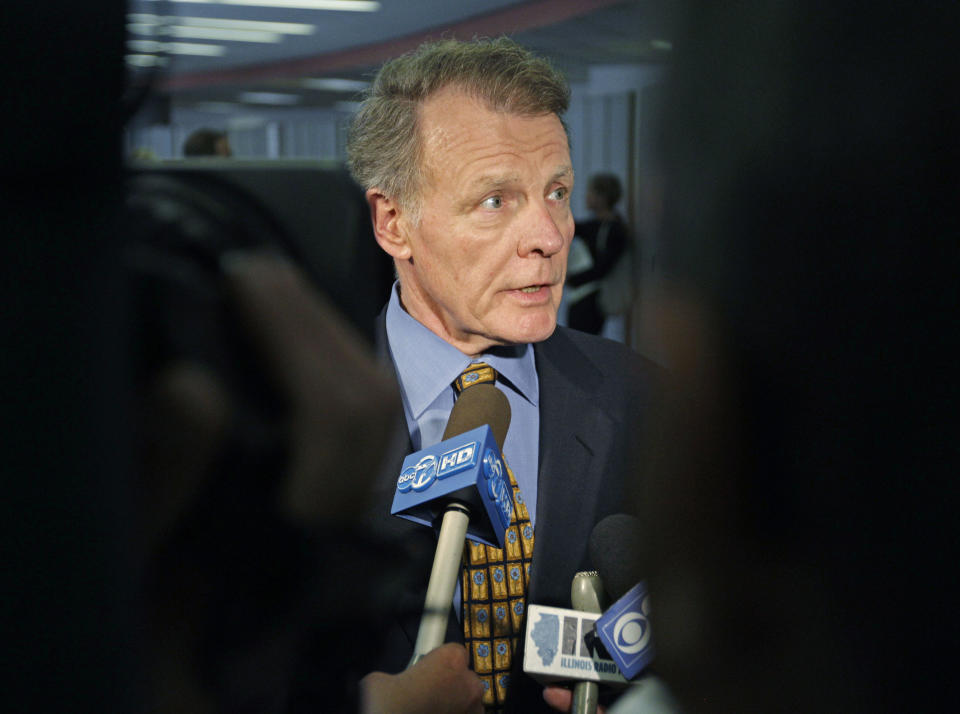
[
  {"x": 207, "y": 142},
  {"x": 603, "y": 287}
]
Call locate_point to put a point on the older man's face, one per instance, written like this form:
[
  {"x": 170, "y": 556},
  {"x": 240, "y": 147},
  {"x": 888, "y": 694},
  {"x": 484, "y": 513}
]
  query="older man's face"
[{"x": 485, "y": 264}]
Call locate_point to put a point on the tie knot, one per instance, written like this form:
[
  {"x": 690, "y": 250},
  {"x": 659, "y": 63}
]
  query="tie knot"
[{"x": 478, "y": 373}]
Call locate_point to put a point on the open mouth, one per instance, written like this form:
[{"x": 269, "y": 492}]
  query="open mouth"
[{"x": 533, "y": 294}]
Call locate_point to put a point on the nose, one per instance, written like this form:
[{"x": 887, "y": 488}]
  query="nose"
[{"x": 542, "y": 231}]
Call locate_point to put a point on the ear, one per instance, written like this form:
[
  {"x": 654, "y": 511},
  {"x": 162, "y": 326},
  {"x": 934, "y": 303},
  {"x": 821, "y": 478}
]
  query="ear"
[{"x": 388, "y": 226}]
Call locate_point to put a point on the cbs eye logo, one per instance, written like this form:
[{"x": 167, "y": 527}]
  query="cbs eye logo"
[{"x": 631, "y": 632}]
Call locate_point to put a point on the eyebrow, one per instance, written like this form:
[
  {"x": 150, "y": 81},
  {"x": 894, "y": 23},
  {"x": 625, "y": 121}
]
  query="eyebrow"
[
  {"x": 493, "y": 181},
  {"x": 490, "y": 181},
  {"x": 562, "y": 173}
]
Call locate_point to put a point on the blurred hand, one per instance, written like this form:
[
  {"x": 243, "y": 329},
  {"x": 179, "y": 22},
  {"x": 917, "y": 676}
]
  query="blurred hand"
[
  {"x": 440, "y": 683},
  {"x": 561, "y": 698},
  {"x": 344, "y": 405}
]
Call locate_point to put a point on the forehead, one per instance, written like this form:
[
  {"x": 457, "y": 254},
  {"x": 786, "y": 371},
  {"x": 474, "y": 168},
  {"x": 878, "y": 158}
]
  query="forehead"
[{"x": 462, "y": 136}]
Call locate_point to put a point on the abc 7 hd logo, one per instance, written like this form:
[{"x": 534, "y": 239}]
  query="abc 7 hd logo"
[
  {"x": 429, "y": 468},
  {"x": 420, "y": 476},
  {"x": 631, "y": 631}
]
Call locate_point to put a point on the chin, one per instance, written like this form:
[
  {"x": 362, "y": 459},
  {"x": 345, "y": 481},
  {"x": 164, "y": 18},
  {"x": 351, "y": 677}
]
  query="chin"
[{"x": 534, "y": 328}]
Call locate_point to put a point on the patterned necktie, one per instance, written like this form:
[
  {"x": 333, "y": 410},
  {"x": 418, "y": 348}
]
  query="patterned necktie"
[{"x": 494, "y": 584}]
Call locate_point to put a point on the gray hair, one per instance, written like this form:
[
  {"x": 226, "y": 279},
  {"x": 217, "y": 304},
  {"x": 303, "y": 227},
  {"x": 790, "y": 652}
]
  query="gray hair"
[{"x": 384, "y": 147}]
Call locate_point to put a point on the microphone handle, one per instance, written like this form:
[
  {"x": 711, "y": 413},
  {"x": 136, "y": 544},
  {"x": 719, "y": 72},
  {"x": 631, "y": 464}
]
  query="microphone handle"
[
  {"x": 585, "y": 597},
  {"x": 443, "y": 580},
  {"x": 586, "y": 697}
]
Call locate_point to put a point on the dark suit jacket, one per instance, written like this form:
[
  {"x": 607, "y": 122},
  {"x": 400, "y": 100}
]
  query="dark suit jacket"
[{"x": 593, "y": 395}]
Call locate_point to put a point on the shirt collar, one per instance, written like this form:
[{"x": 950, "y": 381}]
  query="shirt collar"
[
  {"x": 426, "y": 364},
  {"x": 517, "y": 365}
]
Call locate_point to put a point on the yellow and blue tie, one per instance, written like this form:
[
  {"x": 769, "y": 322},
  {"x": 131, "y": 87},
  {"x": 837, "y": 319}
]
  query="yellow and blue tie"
[{"x": 494, "y": 584}]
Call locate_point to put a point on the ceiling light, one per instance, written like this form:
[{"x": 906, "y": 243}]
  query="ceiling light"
[
  {"x": 333, "y": 84},
  {"x": 194, "y": 48},
  {"x": 203, "y": 33},
  {"x": 284, "y": 28},
  {"x": 176, "y": 48},
  {"x": 269, "y": 98},
  {"x": 222, "y": 33},
  {"x": 146, "y": 60},
  {"x": 346, "y": 5}
]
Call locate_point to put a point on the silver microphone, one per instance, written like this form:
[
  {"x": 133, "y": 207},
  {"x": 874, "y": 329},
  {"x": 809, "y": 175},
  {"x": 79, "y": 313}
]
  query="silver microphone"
[{"x": 585, "y": 596}]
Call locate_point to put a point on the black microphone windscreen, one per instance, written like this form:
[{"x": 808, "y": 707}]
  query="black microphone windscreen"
[
  {"x": 615, "y": 552},
  {"x": 478, "y": 405}
]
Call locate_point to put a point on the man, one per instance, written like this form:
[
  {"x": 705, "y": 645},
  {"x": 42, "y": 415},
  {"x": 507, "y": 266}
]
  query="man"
[
  {"x": 467, "y": 171},
  {"x": 207, "y": 142}
]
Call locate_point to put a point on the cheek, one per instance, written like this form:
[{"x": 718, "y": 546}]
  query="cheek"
[
  {"x": 485, "y": 270},
  {"x": 435, "y": 261},
  {"x": 465, "y": 285}
]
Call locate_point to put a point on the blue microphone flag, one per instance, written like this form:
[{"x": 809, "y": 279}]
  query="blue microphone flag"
[
  {"x": 467, "y": 468},
  {"x": 624, "y": 629}
]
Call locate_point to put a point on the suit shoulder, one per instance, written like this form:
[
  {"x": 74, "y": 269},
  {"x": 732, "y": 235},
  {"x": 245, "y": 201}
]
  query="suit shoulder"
[
  {"x": 608, "y": 354},
  {"x": 599, "y": 365}
]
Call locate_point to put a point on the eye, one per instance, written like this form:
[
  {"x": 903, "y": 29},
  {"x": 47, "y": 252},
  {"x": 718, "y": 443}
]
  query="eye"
[
  {"x": 492, "y": 202},
  {"x": 559, "y": 194}
]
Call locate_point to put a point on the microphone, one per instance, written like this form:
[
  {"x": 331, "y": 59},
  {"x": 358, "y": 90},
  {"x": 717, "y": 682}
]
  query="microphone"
[
  {"x": 577, "y": 635},
  {"x": 585, "y": 596},
  {"x": 569, "y": 633},
  {"x": 624, "y": 629},
  {"x": 560, "y": 644},
  {"x": 614, "y": 549},
  {"x": 462, "y": 483}
]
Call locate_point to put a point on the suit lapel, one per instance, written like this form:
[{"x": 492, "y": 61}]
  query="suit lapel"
[{"x": 575, "y": 439}]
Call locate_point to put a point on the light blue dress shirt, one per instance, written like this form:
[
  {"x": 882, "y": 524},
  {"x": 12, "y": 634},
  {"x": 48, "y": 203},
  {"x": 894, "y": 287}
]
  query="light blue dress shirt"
[{"x": 426, "y": 366}]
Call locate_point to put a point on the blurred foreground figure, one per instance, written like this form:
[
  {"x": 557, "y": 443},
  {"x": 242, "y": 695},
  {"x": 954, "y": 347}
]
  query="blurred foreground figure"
[
  {"x": 254, "y": 394},
  {"x": 800, "y": 505},
  {"x": 263, "y": 417}
]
